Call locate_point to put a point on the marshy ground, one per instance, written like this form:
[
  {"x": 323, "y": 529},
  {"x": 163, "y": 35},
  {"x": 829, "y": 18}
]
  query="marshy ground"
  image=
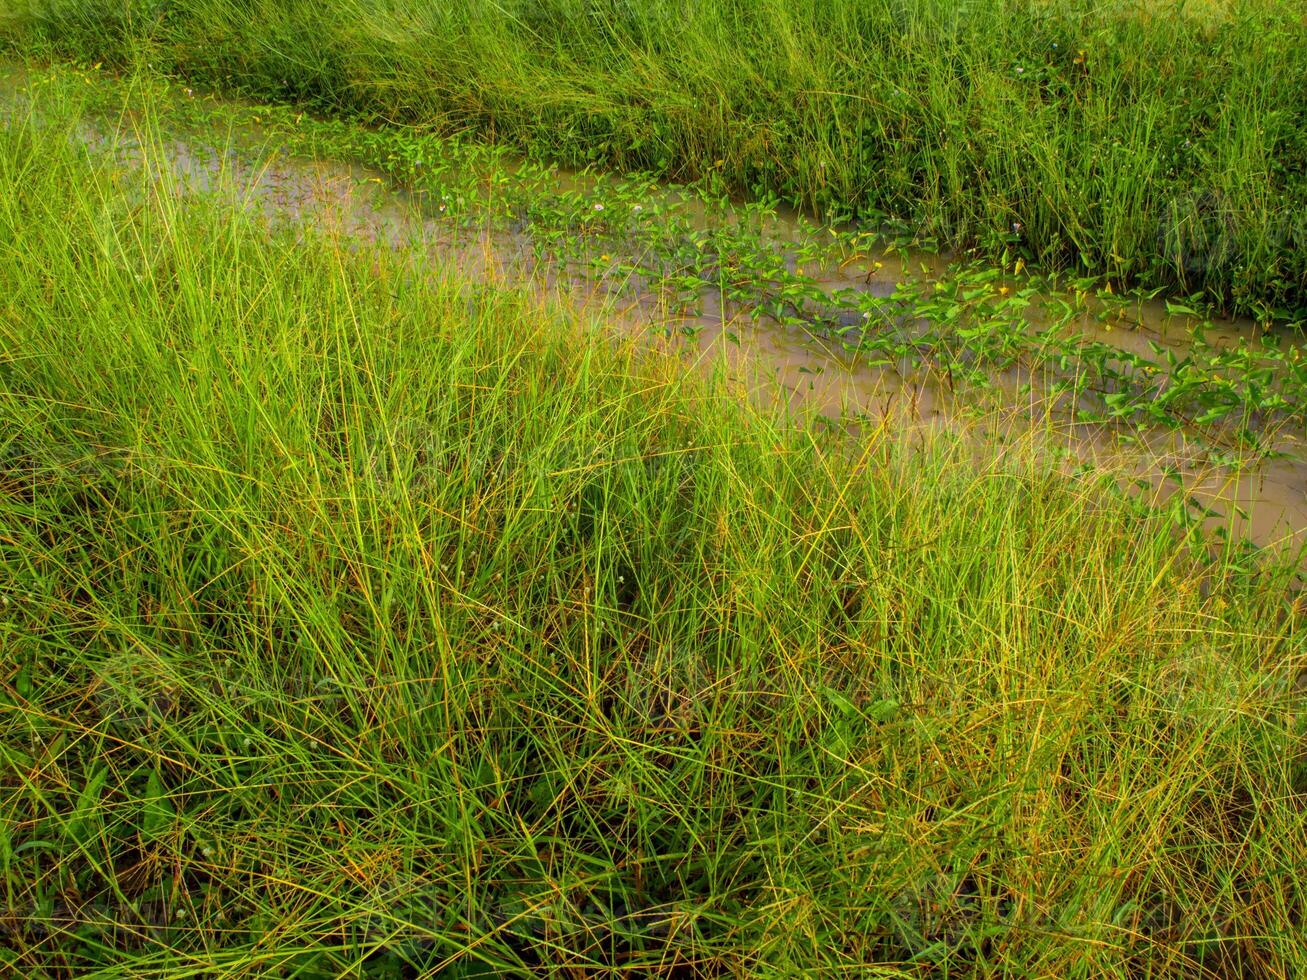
[{"x": 417, "y": 559}]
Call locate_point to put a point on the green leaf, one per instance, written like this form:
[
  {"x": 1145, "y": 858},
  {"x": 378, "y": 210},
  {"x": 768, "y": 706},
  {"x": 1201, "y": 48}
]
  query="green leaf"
[
  {"x": 83, "y": 821},
  {"x": 882, "y": 711},
  {"x": 157, "y": 811},
  {"x": 841, "y": 703}
]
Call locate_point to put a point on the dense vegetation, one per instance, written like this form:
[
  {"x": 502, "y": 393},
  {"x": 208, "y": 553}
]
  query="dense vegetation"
[
  {"x": 359, "y": 622},
  {"x": 979, "y": 329},
  {"x": 1157, "y": 143}
]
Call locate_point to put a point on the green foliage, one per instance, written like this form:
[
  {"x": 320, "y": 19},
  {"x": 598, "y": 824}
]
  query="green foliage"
[
  {"x": 962, "y": 325},
  {"x": 1153, "y": 143},
  {"x": 356, "y": 622}
]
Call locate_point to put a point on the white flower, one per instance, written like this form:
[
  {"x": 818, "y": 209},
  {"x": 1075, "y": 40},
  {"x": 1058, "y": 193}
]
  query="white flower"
[{"x": 599, "y": 207}]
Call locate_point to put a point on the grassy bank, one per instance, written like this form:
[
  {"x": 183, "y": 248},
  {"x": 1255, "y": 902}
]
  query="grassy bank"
[
  {"x": 359, "y": 623},
  {"x": 1160, "y": 144},
  {"x": 1237, "y": 394}
]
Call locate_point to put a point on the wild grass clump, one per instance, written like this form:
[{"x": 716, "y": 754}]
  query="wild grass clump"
[
  {"x": 357, "y": 620},
  {"x": 1156, "y": 143}
]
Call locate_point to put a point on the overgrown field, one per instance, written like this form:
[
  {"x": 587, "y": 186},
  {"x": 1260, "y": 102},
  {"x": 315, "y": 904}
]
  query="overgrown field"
[
  {"x": 355, "y": 621},
  {"x": 1156, "y": 143},
  {"x": 1238, "y": 395}
]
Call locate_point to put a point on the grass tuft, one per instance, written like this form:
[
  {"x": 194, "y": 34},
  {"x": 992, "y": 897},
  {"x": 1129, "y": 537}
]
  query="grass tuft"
[{"x": 356, "y": 622}]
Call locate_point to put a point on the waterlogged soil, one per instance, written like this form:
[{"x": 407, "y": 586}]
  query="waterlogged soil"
[{"x": 805, "y": 370}]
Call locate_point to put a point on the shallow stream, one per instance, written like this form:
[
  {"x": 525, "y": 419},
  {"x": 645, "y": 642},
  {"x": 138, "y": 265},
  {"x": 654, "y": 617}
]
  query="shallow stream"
[{"x": 808, "y": 362}]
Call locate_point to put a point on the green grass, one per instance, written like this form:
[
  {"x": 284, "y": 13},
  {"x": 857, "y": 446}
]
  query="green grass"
[
  {"x": 961, "y": 326},
  {"x": 357, "y": 620},
  {"x": 1156, "y": 143}
]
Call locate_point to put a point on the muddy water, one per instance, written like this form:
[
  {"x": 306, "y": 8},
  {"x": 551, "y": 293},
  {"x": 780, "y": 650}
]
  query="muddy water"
[{"x": 773, "y": 366}]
